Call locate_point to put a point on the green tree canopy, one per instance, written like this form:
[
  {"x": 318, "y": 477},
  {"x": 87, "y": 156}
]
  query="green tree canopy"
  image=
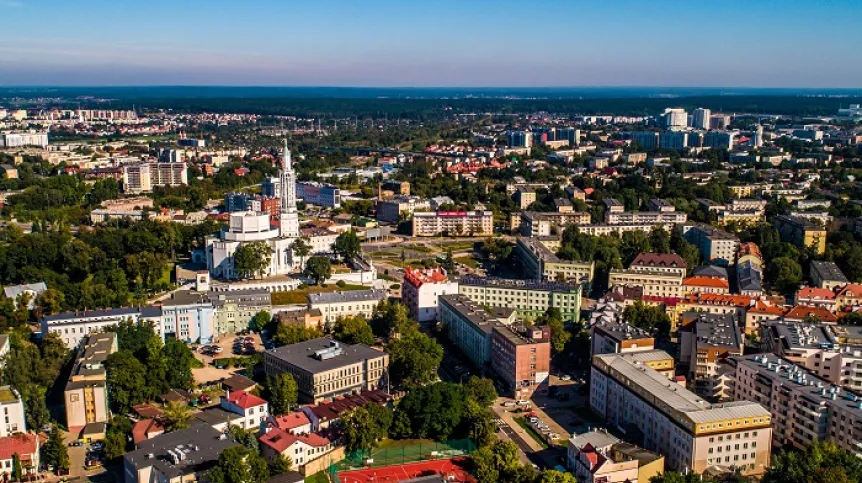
[
  {"x": 239, "y": 465},
  {"x": 353, "y": 330},
  {"x": 319, "y": 269},
  {"x": 283, "y": 393},
  {"x": 347, "y": 245},
  {"x": 413, "y": 358},
  {"x": 251, "y": 259}
]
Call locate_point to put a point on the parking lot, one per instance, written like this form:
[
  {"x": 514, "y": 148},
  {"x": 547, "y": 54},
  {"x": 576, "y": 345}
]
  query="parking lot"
[{"x": 206, "y": 354}]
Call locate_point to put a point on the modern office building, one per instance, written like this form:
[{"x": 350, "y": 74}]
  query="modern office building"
[
  {"x": 693, "y": 434},
  {"x": 422, "y": 289},
  {"x": 86, "y": 394},
  {"x": 319, "y": 194},
  {"x": 529, "y": 298},
  {"x": 534, "y": 223},
  {"x": 324, "y": 368},
  {"x": 453, "y": 223},
  {"x": 343, "y": 304},
  {"x": 801, "y": 232},
  {"x": 805, "y": 408},
  {"x": 539, "y": 261},
  {"x": 717, "y": 246}
]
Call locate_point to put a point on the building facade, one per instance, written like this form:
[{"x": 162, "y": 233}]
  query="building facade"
[
  {"x": 528, "y": 298},
  {"x": 333, "y": 305},
  {"x": 453, "y": 223},
  {"x": 86, "y": 394},
  {"x": 421, "y": 291}
]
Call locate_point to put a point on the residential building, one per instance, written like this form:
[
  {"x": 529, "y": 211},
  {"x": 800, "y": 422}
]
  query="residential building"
[
  {"x": 677, "y": 140},
  {"x": 18, "y": 140},
  {"x": 521, "y": 357},
  {"x": 701, "y": 284},
  {"x": 715, "y": 245},
  {"x": 73, "y": 327},
  {"x": 543, "y": 224},
  {"x": 453, "y": 223},
  {"x": 319, "y": 194},
  {"x": 693, "y": 434},
  {"x": 324, "y": 368},
  {"x": 599, "y": 457},
  {"x": 421, "y": 290},
  {"x": 674, "y": 118},
  {"x": 801, "y": 232},
  {"x": 647, "y": 140},
  {"x": 701, "y": 118},
  {"x": 804, "y": 408},
  {"x": 13, "y": 412},
  {"x": 528, "y": 298},
  {"x": 188, "y": 316},
  {"x": 655, "y": 283},
  {"x": 816, "y": 297},
  {"x": 826, "y": 275},
  {"x": 618, "y": 337},
  {"x": 296, "y": 422},
  {"x": 525, "y": 197},
  {"x": 607, "y": 229},
  {"x": 323, "y": 414},
  {"x": 176, "y": 457},
  {"x": 236, "y": 202},
  {"x": 26, "y": 447},
  {"x": 86, "y": 394},
  {"x": 470, "y": 327},
  {"x": 749, "y": 279},
  {"x": 309, "y": 318},
  {"x": 719, "y": 140},
  {"x": 848, "y": 296},
  {"x": 539, "y": 261},
  {"x": 301, "y": 449},
  {"x": 143, "y": 177},
  {"x": 750, "y": 252},
  {"x": 705, "y": 341},
  {"x": 252, "y": 410},
  {"x": 343, "y": 304},
  {"x": 519, "y": 139},
  {"x": 234, "y": 310},
  {"x": 645, "y": 217},
  {"x": 719, "y": 121}
]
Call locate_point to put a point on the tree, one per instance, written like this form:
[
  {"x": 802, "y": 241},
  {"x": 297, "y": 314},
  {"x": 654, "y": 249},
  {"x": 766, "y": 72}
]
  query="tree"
[
  {"x": 390, "y": 317},
  {"x": 435, "y": 411},
  {"x": 35, "y": 407},
  {"x": 482, "y": 391},
  {"x": 156, "y": 368},
  {"x": 127, "y": 382},
  {"x": 648, "y": 317},
  {"x": 347, "y": 245},
  {"x": 785, "y": 274},
  {"x": 17, "y": 469},
  {"x": 554, "y": 476},
  {"x": 480, "y": 422},
  {"x": 260, "y": 320},
  {"x": 281, "y": 464},
  {"x": 54, "y": 452},
  {"x": 353, "y": 330},
  {"x": 414, "y": 358},
  {"x": 295, "y": 333},
  {"x": 559, "y": 335},
  {"x": 250, "y": 259},
  {"x": 177, "y": 416},
  {"x": 360, "y": 432},
  {"x": 853, "y": 318},
  {"x": 497, "y": 249},
  {"x": 179, "y": 371},
  {"x": 301, "y": 248},
  {"x": 319, "y": 269},
  {"x": 246, "y": 438},
  {"x": 283, "y": 393},
  {"x": 50, "y": 301},
  {"x": 239, "y": 465},
  {"x": 819, "y": 463}
]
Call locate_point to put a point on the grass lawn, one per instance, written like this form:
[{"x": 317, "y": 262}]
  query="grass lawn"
[
  {"x": 383, "y": 254},
  {"x": 319, "y": 477},
  {"x": 388, "y": 278},
  {"x": 420, "y": 249},
  {"x": 455, "y": 247},
  {"x": 299, "y": 296},
  {"x": 532, "y": 432},
  {"x": 469, "y": 261}
]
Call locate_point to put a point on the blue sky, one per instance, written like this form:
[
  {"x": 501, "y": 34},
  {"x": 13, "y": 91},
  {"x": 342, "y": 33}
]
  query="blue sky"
[{"x": 754, "y": 43}]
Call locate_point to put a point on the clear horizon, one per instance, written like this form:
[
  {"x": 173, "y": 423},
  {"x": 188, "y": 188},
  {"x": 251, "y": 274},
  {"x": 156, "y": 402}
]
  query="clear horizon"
[{"x": 444, "y": 44}]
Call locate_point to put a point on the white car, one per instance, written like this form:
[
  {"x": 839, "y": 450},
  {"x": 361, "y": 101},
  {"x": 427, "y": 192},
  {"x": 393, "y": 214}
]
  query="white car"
[{"x": 566, "y": 378}]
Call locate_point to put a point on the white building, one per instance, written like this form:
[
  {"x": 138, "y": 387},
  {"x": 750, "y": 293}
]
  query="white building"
[
  {"x": 143, "y": 177},
  {"x": 72, "y": 327},
  {"x": 17, "y": 140},
  {"x": 13, "y": 412},
  {"x": 253, "y": 409},
  {"x": 422, "y": 289},
  {"x": 454, "y": 223},
  {"x": 248, "y": 227},
  {"x": 319, "y": 194},
  {"x": 674, "y": 118},
  {"x": 333, "y": 305},
  {"x": 701, "y": 118}
]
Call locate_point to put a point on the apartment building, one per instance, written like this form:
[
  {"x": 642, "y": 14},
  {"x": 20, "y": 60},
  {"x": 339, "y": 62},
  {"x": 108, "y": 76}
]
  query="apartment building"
[
  {"x": 86, "y": 394},
  {"x": 319, "y": 194},
  {"x": 654, "y": 283},
  {"x": 599, "y": 457},
  {"x": 234, "y": 310},
  {"x": 252, "y": 410},
  {"x": 525, "y": 197},
  {"x": 392, "y": 210},
  {"x": 324, "y": 368},
  {"x": 18, "y": 140},
  {"x": 608, "y": 229},
  {"x": 539, "y": 261},
  {"x": 421, "y": 290},
  {"x": 801, "y": 232},
  {"x": 470, "y": 327},
  {"x": 12, "y": 405},
  {"x": 645, "y": 217},
  {"x": 826, "y": 275},
  {"x": 143, "y": 177},
  {"x": 535, "y": 224},
  {"x": 659, "y": 262},
  {"x": 618, "y": 338},
  {"x": 73, "y": 327},
  {"x": 804, "y": 408},
  {"x": 453, "y": 223},
  {"x": 705, "y": 341},
  {"x": 705, "y": 284},
  {"x": 188, "y": 316},
  {"x": 521, "y": 357},
  {"x": 342, "y": 304},
  {"x": 693, "y": 434},
  {"x": 528, "y": 298},
  {"x": 831, "y": 352},
  {"x": 716, "y": 246}
]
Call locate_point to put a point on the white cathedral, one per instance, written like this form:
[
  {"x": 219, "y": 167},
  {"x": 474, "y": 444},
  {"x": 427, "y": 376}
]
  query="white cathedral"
[{"x": 250, "y": 226}]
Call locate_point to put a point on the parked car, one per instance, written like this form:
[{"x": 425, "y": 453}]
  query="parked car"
[{"x": 566, "y": 377}]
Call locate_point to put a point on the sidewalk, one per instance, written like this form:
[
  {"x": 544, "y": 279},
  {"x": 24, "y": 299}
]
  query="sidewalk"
[{"x": 509, "y": 418}]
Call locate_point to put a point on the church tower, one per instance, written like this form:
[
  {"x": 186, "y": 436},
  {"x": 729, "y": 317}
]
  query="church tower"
[{"x": 289, "y": 218}]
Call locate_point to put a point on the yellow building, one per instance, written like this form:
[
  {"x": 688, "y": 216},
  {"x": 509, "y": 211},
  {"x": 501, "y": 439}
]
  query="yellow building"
[{"x": 801, "y": 232}]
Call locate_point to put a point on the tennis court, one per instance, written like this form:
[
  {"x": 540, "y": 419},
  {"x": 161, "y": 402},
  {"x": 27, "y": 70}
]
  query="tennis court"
[{"x": 452, "y": 469}]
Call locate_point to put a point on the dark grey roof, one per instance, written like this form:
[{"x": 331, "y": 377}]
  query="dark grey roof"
[
  {"x": 475, "y": 313},
  {"x": 710, "y": 271},
  {"x": 92, "y": 314},
  {"x": 719, "y": 330},
  {"x": 748, "y": 277},
  {"x": 301, "y": 355},
  {"x": 346, "y": 296},
  {"x": 828, "y": 271},
  {"x": 216, "y": 415},
  {"x": 518, "y": 284},
  {"x": 201, "y": 444}
]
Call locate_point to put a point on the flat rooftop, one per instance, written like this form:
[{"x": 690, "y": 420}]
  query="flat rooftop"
[
  {"x": 301, "y": 355},
  {"x": 201, "y": 446},
  {"x": 828, "y": 271},
  {"x": 518, "y": 284},
  {"x": 346, "y": 296},
  {"x": 476, "y": 313}
]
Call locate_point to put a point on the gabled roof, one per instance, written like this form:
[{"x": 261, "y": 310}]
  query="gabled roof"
[
  {"x": 706, "y": 282},
  {"x": 659, "y": 260},
  {"x": 853, "y": 290},
  {"x": 291, "y": 420},
  {"x": 802, "y": 311},
  {"x": 815, "y": 293},
  {"x": 244, "y": 400},
  {"x": 22, "y": 444},
  {"x": 279, "y": 440}
]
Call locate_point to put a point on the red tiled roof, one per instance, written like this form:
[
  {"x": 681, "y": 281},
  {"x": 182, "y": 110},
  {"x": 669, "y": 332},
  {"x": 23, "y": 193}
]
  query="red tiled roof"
[
  {"x": 762, "y": 308},
  {"x": 329, "y": 411},
  {"x": 417, "y": 276},
  {"x": 659, "y": 260},
  {"x": 291, "y": 420},
  {"x": 749, "y": 248},
  {"x": 802, "y": 311},
  {"x": 815, "y": 293},
  {"x": 143, "y": 428},
  {"x": 850, "y": 290},
  {"x": 706, "y": 282},
  {"x": 720, "y": 299},
  {"x": 245, "y": 400},
  {"x": 279, "y": 440},
  {"x": 22, "y": 444}
]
